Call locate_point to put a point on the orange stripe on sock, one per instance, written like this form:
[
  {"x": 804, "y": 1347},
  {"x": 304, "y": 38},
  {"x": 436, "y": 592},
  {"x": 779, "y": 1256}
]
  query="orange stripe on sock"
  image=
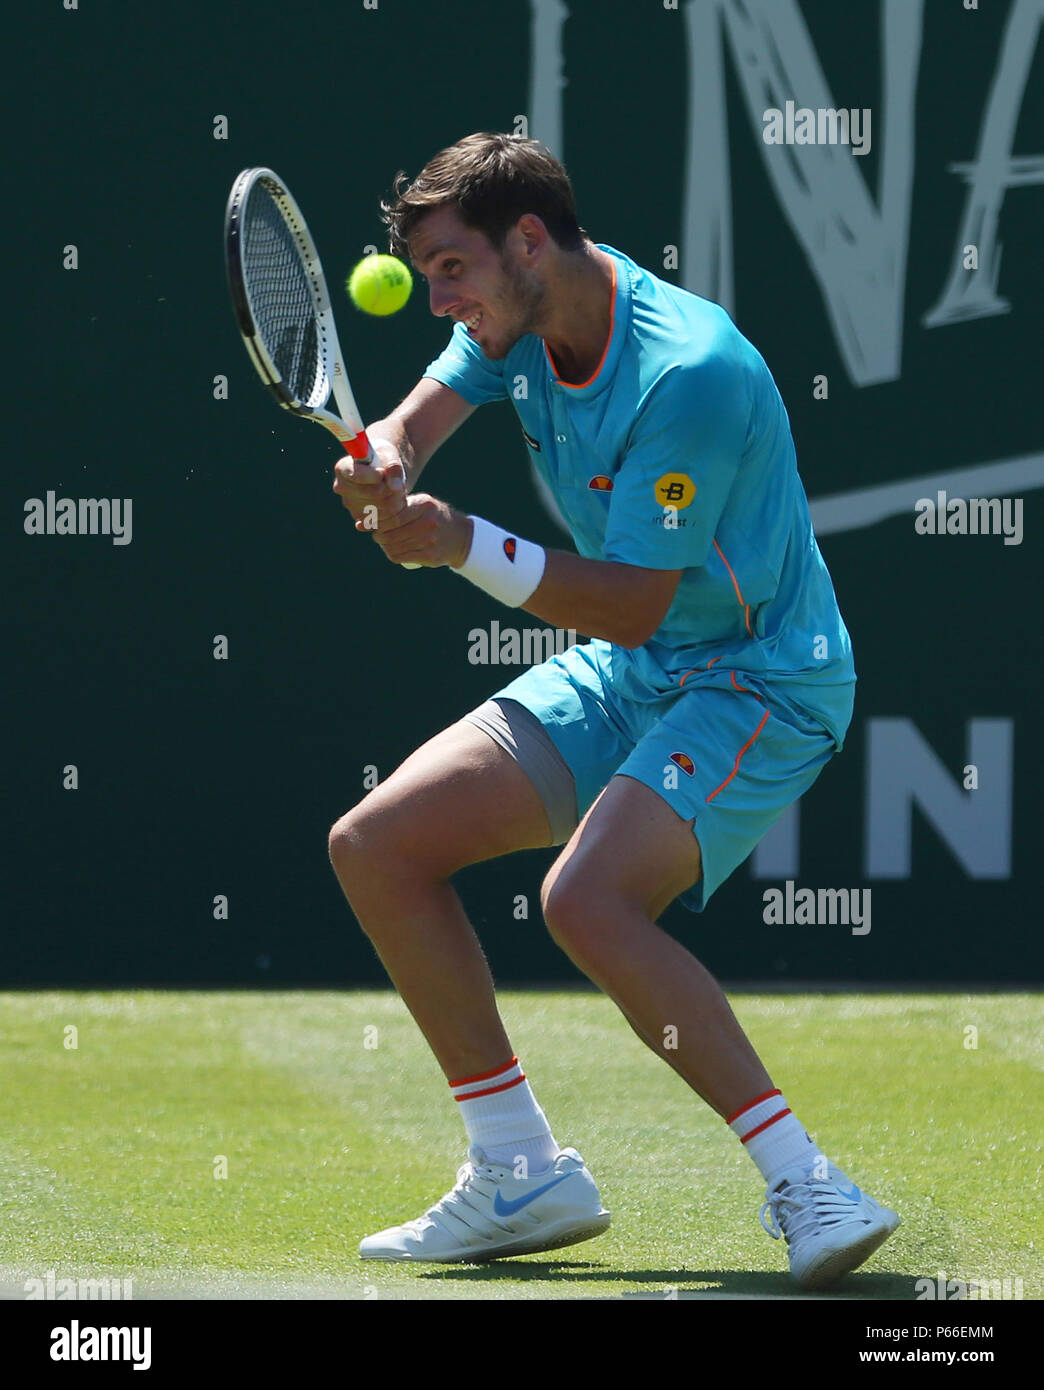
[
  {"x": 492, "y": 1090},
  {"x": 758, "y": 1128},
  {"x": 750, "y": 1105},
  {"x": 485, "y": 1075}
]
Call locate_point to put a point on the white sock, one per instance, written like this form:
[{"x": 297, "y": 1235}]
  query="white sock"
[
  {"x": 502, "y": 1117},
  {"x": 774, "y": 1138}
]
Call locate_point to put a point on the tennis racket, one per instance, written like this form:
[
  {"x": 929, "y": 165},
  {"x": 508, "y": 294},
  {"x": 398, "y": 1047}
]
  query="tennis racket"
[{"x": 283, "y": 309}]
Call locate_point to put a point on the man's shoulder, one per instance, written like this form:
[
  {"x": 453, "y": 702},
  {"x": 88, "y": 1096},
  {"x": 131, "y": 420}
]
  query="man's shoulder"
[
  {"x": 659, "y": 297},
  {"x": 678, "y": 336}
]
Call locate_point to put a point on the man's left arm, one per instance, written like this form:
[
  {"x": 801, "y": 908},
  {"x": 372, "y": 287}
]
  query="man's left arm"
[
  {"x": 623, "y": 604},
  {"x": 668, "y": 496}
]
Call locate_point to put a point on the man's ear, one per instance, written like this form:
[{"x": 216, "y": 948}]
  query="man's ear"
[{"x": 534, "y": 235}]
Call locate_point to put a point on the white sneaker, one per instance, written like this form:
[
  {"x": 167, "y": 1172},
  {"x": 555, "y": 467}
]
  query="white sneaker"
[
  {"x": 830, "y": 1226},
  {"x": 491, "y": 1214}
]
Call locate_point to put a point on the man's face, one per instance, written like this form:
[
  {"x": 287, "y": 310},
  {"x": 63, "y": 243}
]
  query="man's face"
[{"x": 494, "y": 293}]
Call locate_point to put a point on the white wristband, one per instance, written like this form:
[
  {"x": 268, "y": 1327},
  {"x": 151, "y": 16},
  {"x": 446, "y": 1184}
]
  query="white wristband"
[{"x": 504, "y": 565}]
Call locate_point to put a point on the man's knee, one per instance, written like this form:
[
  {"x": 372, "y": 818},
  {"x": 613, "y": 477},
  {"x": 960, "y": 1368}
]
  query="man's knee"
[
  {"x": 394, "y": 836},
  {"x": 573, "y": 905},
  {"x": 355, "y": 843}
]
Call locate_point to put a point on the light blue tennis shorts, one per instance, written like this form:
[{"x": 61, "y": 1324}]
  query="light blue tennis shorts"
[{"x": 727, "y": 758}]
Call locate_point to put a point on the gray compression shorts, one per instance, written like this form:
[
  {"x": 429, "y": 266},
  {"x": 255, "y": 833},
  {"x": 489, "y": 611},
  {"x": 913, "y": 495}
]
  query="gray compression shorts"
[{"x": 521, "y": 733}]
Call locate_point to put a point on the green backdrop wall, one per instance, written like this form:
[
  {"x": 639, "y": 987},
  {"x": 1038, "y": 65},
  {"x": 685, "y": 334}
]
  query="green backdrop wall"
[{"x": 201, "y": 778}]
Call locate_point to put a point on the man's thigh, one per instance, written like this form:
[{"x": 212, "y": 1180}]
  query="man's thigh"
[
  {"x": 632, "y": 845},
  {"x": 728, "y": 765},
  {"x": 721, "y": 761},
  {"x": 458, "y": 800},
  {"x": 581, "y": 716}
]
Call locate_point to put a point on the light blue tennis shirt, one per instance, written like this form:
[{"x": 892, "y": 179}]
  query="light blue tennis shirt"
[{"x": 677, "y": 454}]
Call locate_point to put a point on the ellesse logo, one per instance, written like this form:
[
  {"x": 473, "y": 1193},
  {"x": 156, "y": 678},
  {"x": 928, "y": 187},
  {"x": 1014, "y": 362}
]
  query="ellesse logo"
[
  {"x": 510, "y": 546},
  {"x": 600, "y": 483},
  {"x": 684, "y": 762}
]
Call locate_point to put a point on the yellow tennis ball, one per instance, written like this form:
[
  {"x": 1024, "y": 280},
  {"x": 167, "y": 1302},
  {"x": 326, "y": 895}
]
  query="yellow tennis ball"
[{"x": 380, "y": 285}]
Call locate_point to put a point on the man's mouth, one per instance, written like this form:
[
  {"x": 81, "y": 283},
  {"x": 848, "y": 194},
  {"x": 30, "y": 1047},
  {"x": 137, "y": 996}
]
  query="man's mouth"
[{"x": 472, "y": 323}]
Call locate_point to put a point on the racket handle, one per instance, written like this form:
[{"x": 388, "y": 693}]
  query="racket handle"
[{"x": 360, "y": 448}]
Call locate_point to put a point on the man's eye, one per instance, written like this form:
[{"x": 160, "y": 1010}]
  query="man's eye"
[{"x": 448, "y": 266}]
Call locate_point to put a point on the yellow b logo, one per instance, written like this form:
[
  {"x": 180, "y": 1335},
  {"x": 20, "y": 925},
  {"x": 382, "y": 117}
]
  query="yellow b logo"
[{"x": 675, "y": 490}]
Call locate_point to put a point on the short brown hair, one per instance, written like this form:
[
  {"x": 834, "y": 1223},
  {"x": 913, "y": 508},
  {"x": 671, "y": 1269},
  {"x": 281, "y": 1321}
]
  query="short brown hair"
[{"x": 491, "y": 181}]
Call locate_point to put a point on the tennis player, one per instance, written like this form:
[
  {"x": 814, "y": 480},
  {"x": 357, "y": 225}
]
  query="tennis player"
[{"x": 717, "y": 684}]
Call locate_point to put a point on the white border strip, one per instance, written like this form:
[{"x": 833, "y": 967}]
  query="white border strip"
[{"x": 847, "y": 511}]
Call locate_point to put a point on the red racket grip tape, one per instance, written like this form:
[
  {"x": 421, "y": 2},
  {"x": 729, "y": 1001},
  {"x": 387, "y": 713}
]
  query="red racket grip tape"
[{"x": 359, "y": 447}]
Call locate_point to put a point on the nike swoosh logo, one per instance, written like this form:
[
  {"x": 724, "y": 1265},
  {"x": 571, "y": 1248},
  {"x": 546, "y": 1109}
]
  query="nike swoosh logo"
[
  {"x": 853, "y": 1195},
  {"x": 505, "y": 1208}
]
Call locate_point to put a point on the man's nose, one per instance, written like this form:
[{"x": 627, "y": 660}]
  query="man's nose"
[{"x": 442, "y": 300}]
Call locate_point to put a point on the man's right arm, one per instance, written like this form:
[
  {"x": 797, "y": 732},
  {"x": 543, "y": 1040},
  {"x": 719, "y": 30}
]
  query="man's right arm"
[
  {"x": 421, "y": 424},
  {"x": 408, "y": 436}
]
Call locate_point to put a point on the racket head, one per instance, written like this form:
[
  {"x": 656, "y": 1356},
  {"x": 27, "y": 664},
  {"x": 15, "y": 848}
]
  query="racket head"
[
  {"x": 279, "y": 294},
  {"x": 283, "y": 310}
]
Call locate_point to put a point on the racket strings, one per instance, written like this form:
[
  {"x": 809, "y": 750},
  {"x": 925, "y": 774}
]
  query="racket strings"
[{"x": 276, "y": 281}]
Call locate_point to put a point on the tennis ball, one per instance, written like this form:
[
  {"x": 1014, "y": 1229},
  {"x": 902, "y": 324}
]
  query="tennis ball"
[{"x": 380, "y": 285}]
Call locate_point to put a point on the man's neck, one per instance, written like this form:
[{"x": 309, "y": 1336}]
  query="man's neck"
[{"x": 578, "y": 330}]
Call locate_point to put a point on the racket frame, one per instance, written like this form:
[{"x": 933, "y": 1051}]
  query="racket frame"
[{"x": 347, "y": 427}]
